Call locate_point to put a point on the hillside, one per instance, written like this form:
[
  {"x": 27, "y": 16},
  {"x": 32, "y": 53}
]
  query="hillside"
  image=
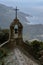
[
  {"x": 7, "y": 14},
  {"x": 33, "y": 32}
]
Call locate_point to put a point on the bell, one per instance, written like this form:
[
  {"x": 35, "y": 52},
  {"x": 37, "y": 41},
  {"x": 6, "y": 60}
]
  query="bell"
[{"x": 16, "y": 30}]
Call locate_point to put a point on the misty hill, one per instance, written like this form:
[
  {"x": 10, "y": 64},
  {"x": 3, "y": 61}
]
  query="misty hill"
[
  {"x": 7, "y": 14},
  {"x": 33, "y": 32}
]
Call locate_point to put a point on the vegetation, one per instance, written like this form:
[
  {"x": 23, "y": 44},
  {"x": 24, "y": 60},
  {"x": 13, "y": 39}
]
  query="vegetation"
[
  {"x": 34, "y": 48},
  {"x": 3, "y": 53},
  {"x": 4, "y": 35}
]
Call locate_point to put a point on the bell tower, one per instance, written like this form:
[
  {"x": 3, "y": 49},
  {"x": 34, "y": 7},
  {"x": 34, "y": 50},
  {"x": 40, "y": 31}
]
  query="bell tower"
[{"x": 16, "y": 31}]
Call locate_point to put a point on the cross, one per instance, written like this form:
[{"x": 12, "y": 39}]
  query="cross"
[{"x": 16, "y": 12}]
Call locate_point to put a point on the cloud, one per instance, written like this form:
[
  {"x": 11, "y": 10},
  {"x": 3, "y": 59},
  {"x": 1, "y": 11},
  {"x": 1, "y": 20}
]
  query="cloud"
[
  {"x": 40, "y": 35},
  {"x": 29, "y": 2},
  {"x": 25, "y": 3}
]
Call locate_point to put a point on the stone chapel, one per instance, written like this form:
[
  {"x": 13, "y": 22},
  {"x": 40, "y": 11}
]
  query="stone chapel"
[{"x": 16, "y": 29}]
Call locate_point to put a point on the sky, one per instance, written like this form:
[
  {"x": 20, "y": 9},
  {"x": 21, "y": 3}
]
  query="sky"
[
  {"x": 22, "y": 2},
  {"x": 30, "y": 3},
  {"x": 32, "y": 7}
]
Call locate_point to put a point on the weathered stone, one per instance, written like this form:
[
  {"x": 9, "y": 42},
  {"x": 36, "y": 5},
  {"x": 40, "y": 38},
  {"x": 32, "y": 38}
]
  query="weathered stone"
[{"x": 15, "y": 36}]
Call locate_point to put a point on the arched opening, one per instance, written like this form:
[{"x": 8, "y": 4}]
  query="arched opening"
[{"x": 16, "y": 31}]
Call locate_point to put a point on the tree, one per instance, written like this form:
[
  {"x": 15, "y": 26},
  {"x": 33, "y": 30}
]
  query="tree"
[
  {"x": 4, "y": 35},
  {"x": 36, "y": 48}
]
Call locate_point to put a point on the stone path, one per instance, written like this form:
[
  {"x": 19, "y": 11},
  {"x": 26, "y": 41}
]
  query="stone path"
[{"x": 16, "y": 57}]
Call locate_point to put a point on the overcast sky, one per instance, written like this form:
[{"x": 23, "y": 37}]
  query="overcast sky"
[
  {"x": 38, "y": 3},
  {"x": 33, "y": 7}
]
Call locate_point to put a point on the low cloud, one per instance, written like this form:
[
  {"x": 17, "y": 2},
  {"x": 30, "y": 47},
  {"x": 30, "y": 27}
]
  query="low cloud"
[{"x": 40, "y": 35}]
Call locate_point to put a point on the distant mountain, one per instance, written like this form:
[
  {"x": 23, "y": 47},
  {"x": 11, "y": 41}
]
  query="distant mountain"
[
  {"x": 33, "y": 32},
  {"x": 7, "y": 14},
  {"x": 30, "y": 32}
]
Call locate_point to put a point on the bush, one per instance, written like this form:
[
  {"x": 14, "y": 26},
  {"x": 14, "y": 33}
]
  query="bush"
[
  {"x": 4, "y": 36},
  {"x": 35, "y": 48},
  {"x": 2, "y": 53}
]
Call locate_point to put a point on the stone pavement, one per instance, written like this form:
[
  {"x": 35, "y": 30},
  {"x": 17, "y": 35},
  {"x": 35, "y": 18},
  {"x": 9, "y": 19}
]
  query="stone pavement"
[{"x": 16, "y": 57}]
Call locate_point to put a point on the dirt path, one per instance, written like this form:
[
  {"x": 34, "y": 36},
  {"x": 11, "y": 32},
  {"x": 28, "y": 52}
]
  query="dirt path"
[{"x": 16, "y": 57}]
